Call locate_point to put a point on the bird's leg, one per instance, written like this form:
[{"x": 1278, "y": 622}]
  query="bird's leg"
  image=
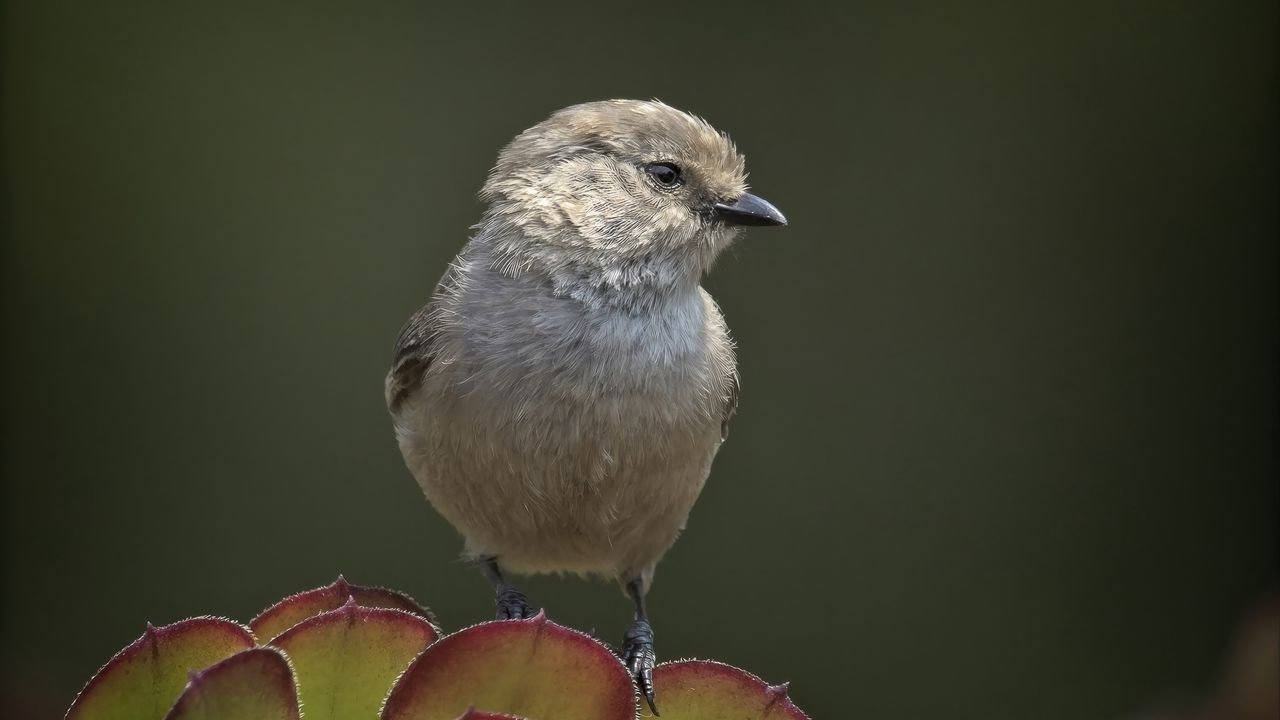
[
  {"x": 637, "y": 644},
  {"x": 512, "y": 604}
]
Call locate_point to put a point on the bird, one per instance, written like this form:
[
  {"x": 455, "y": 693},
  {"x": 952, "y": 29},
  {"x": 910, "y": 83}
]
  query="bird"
[{"x": 561, "y": 396}]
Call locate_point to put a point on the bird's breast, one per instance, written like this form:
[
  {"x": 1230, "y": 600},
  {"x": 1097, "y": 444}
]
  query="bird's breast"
[
  {"x": 580, "y": 431},
  {"x": 530, "y": 347}
]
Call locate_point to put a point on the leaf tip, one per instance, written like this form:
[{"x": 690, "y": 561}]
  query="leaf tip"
[{"x": 777, "y": 693}]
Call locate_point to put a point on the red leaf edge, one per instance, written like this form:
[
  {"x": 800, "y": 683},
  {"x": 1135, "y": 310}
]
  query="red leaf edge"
[
  {"x": 153, "y": 635},
  {"x": 352, "y": 613},
  {"x": 779, "y": 700},
  {"x": 252, "y": 654},
  {"x": 338, "y": 593}
]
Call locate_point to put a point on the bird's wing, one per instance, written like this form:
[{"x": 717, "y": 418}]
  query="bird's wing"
[
  {"x": 419, "y": 339},
  {"x": 730, "y": 406},
  {"x": 413, "y": 355}
]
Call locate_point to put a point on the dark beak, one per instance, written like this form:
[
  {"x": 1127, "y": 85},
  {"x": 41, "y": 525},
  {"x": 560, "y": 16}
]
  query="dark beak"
[{"x": 748, "y": 210}]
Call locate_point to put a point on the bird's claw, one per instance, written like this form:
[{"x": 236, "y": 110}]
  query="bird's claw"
[
  {"x": 639, "y": 657},
  {"x": 512, "y": 604}
]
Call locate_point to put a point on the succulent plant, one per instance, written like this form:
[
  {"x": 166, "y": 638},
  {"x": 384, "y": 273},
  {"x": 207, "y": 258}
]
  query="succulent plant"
[{"x": 346, "y": 652}]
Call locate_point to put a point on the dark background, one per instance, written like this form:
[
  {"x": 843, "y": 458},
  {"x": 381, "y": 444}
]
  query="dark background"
[{"x": 1007, "y": 442}]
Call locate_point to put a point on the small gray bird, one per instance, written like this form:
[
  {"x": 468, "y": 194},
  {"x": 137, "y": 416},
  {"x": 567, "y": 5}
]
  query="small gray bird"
[{"x": 561, "y": 397}]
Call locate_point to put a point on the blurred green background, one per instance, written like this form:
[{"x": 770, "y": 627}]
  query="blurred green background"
[{"x": 1007, "y": 441}]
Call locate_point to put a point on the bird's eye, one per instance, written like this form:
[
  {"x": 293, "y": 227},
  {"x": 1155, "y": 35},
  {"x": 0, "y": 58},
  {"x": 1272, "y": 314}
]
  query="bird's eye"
[{"x": 664, "y": 173}]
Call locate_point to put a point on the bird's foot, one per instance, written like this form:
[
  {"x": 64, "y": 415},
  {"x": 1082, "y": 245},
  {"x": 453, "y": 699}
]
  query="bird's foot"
[
  {"x": 512, "y": 604},
  {"x": 639, "y": 657}
]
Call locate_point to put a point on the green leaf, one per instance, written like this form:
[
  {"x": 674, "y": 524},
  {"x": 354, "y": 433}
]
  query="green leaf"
[
  {"x": 296, "y": 608},
  {"x": 252, "y": 685},
  {"x": 532, "y": 668},
  {"x": 142, "y": 680},
  {"x": 705, "y": 690},
  {"x": 347, "y": 659}
]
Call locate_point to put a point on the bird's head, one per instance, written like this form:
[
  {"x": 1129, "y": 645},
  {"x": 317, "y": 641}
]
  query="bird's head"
[{"x": 623, "y": 192}]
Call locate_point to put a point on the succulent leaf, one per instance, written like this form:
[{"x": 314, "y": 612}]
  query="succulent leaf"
[
  {"x": 347, "y": 659},
  {"x": 256, "y": 683},
  {"x": 532, "y": 668},
  {"x": 706, "y": 690},
  {"x": 142, "y": 680},
  {"x": 296, "y": 608},
  {"x": 342, "y": 655},
  {"x": 474, "y": 714}
]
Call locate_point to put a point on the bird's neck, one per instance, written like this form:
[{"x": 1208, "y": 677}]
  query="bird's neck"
[{"x": 635, "y": 283}]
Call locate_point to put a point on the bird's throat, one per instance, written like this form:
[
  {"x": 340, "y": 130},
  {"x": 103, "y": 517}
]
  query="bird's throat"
[{"x": 634, "y": 282}]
